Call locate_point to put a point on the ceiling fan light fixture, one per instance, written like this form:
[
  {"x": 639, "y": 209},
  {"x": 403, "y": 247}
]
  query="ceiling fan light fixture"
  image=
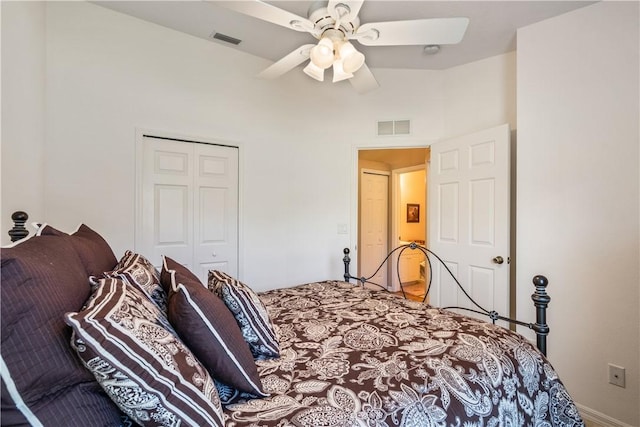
[
  {"x": 313, "y": 71},
  {"x": 352, "y": 60},
  {"x": 322, "y": 53},
  {"x": 339, "y": 73}
]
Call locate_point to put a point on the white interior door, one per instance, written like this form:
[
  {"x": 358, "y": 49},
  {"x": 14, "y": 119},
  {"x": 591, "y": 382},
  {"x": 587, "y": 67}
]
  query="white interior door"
[
  {"x": 469, "y": 219},
  {"x": 374, "y": 197},
  {"x": 188, "y": 205}
]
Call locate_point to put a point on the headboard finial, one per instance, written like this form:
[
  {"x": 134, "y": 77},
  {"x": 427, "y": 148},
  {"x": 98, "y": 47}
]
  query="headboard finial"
[
  {"x": 19, "y": 231},
  {"x": 541, "y": 300},
  {"x": 346, "y": 260}
]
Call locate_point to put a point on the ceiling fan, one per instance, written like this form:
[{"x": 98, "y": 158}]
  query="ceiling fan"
[{"x": 335, "y": 24}]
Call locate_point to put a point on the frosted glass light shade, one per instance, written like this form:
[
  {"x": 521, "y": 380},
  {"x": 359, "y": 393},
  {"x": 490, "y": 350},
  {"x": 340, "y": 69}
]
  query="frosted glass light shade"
[
  {"x": 339, "y": 72},
  {"x": 322, "y": 53},
  {"x": 352, "y": 60},
  {"x": 313, "y": 71}
]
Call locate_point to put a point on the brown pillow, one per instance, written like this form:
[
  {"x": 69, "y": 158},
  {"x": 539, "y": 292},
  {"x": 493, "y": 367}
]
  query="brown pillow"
[
  {"x": 183, "y": 275},
  {"x": 94, "y": 251},
  {"x": 42, "y": 378},
  {"x": 208, "y": 328},
  {"x": 141, "y": 363}
]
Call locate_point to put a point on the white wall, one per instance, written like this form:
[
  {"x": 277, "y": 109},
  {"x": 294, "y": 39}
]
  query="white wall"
[
  {"x": 108, "y": 74},
  {"x": 578, "y": 196},
  {"x": 480, "y": 95},
  {"x": 23, "y": 131}
]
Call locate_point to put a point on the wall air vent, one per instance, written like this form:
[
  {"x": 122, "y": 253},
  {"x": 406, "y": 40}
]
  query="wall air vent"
[
  {"x": 394, "y": 127},
  {"x": 225, "y": 38}
]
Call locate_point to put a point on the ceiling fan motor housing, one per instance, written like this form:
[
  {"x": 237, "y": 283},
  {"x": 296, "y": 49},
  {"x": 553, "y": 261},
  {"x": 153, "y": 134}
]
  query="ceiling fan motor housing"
[{"x": 323, "y": 21}]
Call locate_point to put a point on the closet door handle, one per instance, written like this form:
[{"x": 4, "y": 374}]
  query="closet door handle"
[{"x": 498, "y": 260}]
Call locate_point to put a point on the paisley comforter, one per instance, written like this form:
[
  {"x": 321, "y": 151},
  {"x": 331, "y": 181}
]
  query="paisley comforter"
[{"x": 356, "y": 357}]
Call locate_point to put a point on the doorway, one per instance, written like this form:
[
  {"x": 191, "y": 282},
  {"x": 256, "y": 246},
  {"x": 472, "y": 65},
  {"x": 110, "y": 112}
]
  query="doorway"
[
  {"x": 469, "y": 216},
  {"x": 407, "y": 190},
  {"x": 410, "y": 225}
]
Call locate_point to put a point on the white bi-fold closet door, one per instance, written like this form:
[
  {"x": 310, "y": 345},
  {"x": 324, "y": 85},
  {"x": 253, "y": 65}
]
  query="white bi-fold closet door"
[{"x": 187, "y": 204}]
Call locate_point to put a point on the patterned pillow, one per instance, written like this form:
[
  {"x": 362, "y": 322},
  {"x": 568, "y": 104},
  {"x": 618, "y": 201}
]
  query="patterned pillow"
[
  {"x": 136, "y": 270},
  {"x": 250, "y": 313},
  {"x": 209, "y": 329},
  {"x": 135, "y": 355}
]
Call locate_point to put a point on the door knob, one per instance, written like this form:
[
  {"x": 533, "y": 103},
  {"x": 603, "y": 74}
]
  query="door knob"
[{"x": 498, "y": 260}]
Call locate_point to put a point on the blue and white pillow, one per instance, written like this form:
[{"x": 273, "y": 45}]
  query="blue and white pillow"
[{"x": 249, "y": 312}]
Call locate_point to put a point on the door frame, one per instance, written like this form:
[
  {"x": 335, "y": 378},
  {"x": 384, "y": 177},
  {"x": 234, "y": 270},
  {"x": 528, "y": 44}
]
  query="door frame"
[
  {"x": 140, "y": 134},
  {"x": 398, "y": 143}
]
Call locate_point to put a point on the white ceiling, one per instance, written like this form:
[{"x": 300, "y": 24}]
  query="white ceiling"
[{"x": 491, "y": 31}]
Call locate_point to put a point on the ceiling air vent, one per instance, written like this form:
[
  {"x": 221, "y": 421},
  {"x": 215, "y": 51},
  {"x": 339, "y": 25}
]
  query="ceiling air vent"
[
  {"x": 394, "y": 127},
  {"x": 225, "y": 38}
]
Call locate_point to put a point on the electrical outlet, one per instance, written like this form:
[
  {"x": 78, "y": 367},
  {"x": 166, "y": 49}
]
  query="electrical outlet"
[{"x": 616, "y": 375}]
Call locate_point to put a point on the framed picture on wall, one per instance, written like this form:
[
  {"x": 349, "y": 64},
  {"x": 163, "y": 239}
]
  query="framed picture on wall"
[{"x": 413, "y": 212}]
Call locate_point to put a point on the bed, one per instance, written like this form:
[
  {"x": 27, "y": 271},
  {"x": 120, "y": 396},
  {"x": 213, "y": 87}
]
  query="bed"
[{"x": 331, "y": 353}]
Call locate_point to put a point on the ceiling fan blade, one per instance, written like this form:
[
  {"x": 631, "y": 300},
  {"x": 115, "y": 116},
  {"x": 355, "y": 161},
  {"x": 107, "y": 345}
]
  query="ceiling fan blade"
[
  {"x": 413, "y": 32},
  {"x": 269, "y": 13},
  {"x": 287, "y": 63},
  {"x": 363, "y": 80},
  {"x": 353, "y": 7}
]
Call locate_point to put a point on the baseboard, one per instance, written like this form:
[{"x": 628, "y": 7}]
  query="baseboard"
[{"x": 599, "y": 418}]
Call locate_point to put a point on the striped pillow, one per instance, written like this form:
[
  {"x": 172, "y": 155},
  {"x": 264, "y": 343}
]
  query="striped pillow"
[
  {"x": 42, "y": 379},
  {"x": 250, "y": 313},
  {"x": 135, "y": 355}
]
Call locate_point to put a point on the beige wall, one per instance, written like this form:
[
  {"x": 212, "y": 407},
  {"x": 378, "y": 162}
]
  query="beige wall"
[
  {"x": 412, "y": 190},
  {"x": 578, "y": 197}
]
